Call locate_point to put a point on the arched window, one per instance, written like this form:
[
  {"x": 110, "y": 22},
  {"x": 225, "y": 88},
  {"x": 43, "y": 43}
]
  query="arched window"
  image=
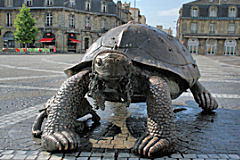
[
  {"x": 8, "y": 39},
  {"x": 213, "y": 11},
  {"x": 195, "y": 12}
]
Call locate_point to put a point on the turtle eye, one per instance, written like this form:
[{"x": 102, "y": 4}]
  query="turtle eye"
[{"x": 99, "y": 61}]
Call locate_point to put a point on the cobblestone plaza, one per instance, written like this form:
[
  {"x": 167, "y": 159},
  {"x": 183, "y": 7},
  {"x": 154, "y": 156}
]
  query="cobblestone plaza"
[{"x": 27, "y": 81}]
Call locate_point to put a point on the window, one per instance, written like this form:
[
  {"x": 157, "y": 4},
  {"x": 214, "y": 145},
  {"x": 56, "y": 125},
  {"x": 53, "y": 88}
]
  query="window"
[
  {"x": 231, "y": 28},
  {"x": 9, "y": 3},
  {"x": 88, "y": 23},
  {"x": 29, "y": 3},
  {"x": 194, "y": 12},
  {"x": 104, "y": 7},
  {"x": 230, "y": 47},
  {"x": 194, "y": 27},
  {"x": 72, "y": 21},
  {"x": 87, "y": 5},
  {"x": 9, "y": 19},
  {"x": 49, "y": 2},
  {"x": 72, "y": 3},
  {"x": 213, "y": 12},
  {"x": 232, "y": 12},
  {"x": 211, "y": 46},
  {"x": 193, "y": 45},
  {"x": 103, "y": 24},
  {"x": 49, "y": 19},
  {"x": 212, "y": 28}
]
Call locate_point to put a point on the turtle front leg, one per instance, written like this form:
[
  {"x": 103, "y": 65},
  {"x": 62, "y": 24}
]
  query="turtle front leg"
[
  {"x": 203, "y": 97},
  {"x": 59, "y": 131},
  {"x": 161, "y": 133}
]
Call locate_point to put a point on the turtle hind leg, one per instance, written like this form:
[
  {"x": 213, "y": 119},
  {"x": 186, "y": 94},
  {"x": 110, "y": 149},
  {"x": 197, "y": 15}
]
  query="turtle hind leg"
[
  {"x": 203, "y": 97},
  {"x": 161, "y": 134}
]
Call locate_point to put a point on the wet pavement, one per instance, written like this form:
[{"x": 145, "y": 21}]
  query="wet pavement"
[{"x": 26, "y": 82}]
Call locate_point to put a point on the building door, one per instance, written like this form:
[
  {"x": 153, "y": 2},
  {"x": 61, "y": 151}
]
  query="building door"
[
  {"x": 86, "y": 43},
  {"x": 230, "y": 47},
  {"x": 211, "y": 46},
  {"x": 72, "y": 47},
  {"x": 193, "y": 45},
  {"x": 8, "y": 39}
]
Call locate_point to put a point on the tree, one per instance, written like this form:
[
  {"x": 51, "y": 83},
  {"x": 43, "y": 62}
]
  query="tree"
[{"x": 25, "y": 31}]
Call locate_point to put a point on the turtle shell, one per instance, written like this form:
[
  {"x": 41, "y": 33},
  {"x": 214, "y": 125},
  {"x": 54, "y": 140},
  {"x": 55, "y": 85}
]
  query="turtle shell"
[{"x": 145, "y": 45}]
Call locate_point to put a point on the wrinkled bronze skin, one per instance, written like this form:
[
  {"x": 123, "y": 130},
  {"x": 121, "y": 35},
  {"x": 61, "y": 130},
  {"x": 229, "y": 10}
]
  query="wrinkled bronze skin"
[{"x": 113, "y": 75}]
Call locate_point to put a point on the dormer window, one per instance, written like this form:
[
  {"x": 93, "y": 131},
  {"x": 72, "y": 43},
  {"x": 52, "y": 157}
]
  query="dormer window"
[
  {"x": 194, "y": 12},
  {"x": 213, "y": 12},
  {"x": 9, "y": 3},
  {"x": 49, "y": 2},
  {"x": 232, "y": 12},
  {"x": 87, "y": 5},
  {"x": 29, "y": 3},
  {"x": 104, "y": 7},
  {"x": 72, "y": 3}
]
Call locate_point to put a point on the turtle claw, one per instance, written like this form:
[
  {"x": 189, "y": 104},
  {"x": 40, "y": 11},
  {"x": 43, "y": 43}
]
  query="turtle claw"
[
  {"x": 150, "y": 146},
  {"x": 61, "y": 141},
  {"x": 206, "y": 101}
]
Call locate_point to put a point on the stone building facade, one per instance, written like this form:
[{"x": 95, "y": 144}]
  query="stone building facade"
[
  {"x": 64, "y": 25},
  {"x": 210, "y": 27},
  {"x": 135, "y": 13},
  {"x": 167, "y": 30}
]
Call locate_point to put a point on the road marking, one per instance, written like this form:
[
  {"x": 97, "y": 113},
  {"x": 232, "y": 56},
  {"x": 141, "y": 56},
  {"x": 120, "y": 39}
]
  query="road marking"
[
  {"x": 30, "y": 77},
  {"x": 218, "y": 80},
  {"x": 55, "y": 89},
  {"x": 51, "y": 61},
  {"x": 16, "y": 117},
  {"x": 30, "y": 69},
  {"x": 29, "y": 87},
  {"x": 231, "y": 96}
]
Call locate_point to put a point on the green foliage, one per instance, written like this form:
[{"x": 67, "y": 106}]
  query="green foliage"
[{"x": 25, "y": 30}]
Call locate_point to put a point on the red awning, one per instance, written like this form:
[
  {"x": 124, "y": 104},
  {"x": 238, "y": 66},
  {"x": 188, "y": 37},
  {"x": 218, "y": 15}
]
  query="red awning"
[
  {"x": 74, "y": 40},
  {"x": 46, "y": 40}
]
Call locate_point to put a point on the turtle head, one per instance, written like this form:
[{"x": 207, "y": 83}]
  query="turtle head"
[
  {"x": 112, "y": 66},
  {"x": 111, "y": 76}
]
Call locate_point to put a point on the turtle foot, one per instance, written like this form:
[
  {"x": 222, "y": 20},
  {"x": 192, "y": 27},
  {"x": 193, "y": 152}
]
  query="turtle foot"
[
  {"x": 152, "y": 146},
  {"x": 61, "y": 141},
  {"x": 206, "y": 101}
]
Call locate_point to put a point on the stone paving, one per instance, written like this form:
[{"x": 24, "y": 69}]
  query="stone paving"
[{"x": 200, "y": 136}]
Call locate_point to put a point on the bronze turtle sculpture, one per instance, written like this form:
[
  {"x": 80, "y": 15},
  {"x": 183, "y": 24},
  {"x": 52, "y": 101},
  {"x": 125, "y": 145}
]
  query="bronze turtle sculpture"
[{"x": 130, "y": 63}]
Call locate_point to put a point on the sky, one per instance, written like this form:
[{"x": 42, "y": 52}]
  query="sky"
[{"x": 159, "y": 12}]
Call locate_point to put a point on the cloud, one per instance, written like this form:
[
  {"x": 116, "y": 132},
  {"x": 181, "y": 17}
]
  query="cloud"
[{"x": 169, "y": 12}]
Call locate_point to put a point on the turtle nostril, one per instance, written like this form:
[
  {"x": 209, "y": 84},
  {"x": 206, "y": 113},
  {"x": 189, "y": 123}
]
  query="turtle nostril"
[{"x": 99, "y": 61}]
